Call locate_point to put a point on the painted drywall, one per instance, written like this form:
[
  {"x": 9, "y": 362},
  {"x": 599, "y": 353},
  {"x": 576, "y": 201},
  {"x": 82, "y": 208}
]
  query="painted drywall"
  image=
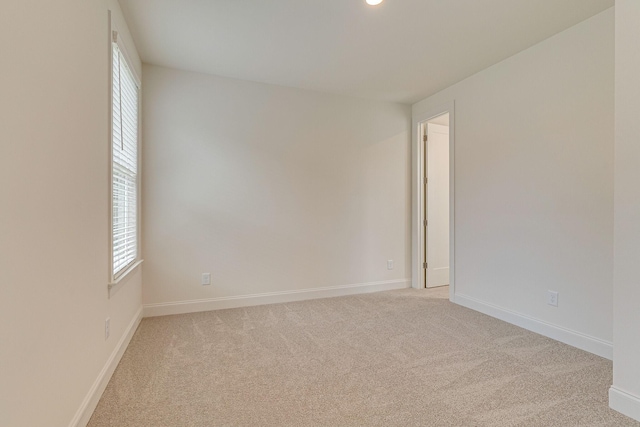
[
  {"x": 625, "y": 393},
  {"x": 534, "y": 182},
  {"x": 269, "y": 189},
  {"x": 54, "y": 218}
]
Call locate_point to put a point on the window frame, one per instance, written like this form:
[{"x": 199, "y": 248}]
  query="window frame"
[{"x": 116, "y": 278}]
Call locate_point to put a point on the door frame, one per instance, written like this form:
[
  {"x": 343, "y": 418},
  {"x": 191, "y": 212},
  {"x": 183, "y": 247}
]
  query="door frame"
[{"x": 418, "y": 210}]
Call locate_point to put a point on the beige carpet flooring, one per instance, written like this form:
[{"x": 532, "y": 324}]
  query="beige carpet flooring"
[{"x": 399, "y": 358}]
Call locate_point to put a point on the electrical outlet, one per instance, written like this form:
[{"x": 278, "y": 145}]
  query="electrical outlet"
[
  {"x": 107, "y": 328},
  {"x": 206, "y": 279},
  {"x": 552, "y": 298},
  {"x": 390, "y": 264}
]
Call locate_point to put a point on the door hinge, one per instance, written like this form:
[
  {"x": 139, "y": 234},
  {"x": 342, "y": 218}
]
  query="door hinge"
[
  {"x": 424, "y": 265},
  {"x": 426, "y": 180},
  {"x": 424, "y": 138},
  {"x": 425, "y": 222}
]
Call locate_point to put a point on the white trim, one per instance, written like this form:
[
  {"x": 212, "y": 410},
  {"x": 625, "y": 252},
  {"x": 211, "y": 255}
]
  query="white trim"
[
  {"x": 92, "y": 398},
  {"x": 573, "y": 338},
  {"x": 123, "y": 274},
  {"x": 110, "y": 145},
  {"x": 123, "y": 48},
  {"x": 624, "y": 402},
  {"x": 193, "y": 306},
  {"x": 417, "y": 195}
]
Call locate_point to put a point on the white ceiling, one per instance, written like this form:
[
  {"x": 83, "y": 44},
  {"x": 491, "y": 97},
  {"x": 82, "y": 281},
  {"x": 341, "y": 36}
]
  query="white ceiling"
[{"x": 401, "y": 50}]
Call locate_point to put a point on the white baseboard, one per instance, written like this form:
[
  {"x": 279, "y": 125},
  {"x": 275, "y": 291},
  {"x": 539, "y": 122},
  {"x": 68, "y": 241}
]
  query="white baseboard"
[
  {"x": 92, "y": 398},
  {"x": 625, "y": 403},
  {"x": 573, "y": 338},
  {"x": 193, "y": 306}
]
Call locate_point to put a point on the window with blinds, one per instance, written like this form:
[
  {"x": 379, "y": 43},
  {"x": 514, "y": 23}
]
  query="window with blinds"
[{"x": 124, "y": 165}]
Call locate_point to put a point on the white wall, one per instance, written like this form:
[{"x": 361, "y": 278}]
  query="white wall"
[
  {"x": 54, "y": 210},
  {"x": 534, "y": 185},
  {"x": 270, "y": 189},
  {"x": 625, "y": 393}
]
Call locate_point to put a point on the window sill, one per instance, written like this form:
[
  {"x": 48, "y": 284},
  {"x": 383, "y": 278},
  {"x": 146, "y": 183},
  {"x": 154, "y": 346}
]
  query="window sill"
[{"x": 124, "y": 275}]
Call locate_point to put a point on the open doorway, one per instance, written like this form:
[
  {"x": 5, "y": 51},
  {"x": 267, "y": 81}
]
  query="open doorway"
[
  {"x": 435, "y": 137},
  {"x": 433, "y": 257}
]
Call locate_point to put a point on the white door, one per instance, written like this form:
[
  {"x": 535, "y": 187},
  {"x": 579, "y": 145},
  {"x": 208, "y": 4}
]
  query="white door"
[{"x": 437, "y": 206}]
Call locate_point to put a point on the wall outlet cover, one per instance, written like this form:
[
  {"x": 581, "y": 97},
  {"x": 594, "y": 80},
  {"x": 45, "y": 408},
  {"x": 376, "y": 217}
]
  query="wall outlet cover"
[
  {"x": 107, "y": 328},
  {"x": 552, "y": 298},
  {"x": 206, "y": 279}
]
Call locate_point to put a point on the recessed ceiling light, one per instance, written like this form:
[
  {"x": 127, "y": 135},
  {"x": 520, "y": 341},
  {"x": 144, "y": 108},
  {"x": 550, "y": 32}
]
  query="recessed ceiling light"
[{"x": 374, "y": 2}]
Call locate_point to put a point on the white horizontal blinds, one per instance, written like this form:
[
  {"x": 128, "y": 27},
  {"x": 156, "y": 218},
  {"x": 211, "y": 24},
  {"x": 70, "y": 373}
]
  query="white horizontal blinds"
[{"x": 124, "y": 173}]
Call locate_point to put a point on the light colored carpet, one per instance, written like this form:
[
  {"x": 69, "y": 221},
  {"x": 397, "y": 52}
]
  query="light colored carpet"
[{"x": 399, "y": 358}]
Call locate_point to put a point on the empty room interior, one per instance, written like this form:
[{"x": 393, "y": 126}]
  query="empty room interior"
[{"x": 320, "y": 213}]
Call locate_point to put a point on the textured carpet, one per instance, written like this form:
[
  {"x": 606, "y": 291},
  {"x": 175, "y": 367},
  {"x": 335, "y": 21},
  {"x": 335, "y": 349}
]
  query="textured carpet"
[{"x": 399, "y": 358}]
